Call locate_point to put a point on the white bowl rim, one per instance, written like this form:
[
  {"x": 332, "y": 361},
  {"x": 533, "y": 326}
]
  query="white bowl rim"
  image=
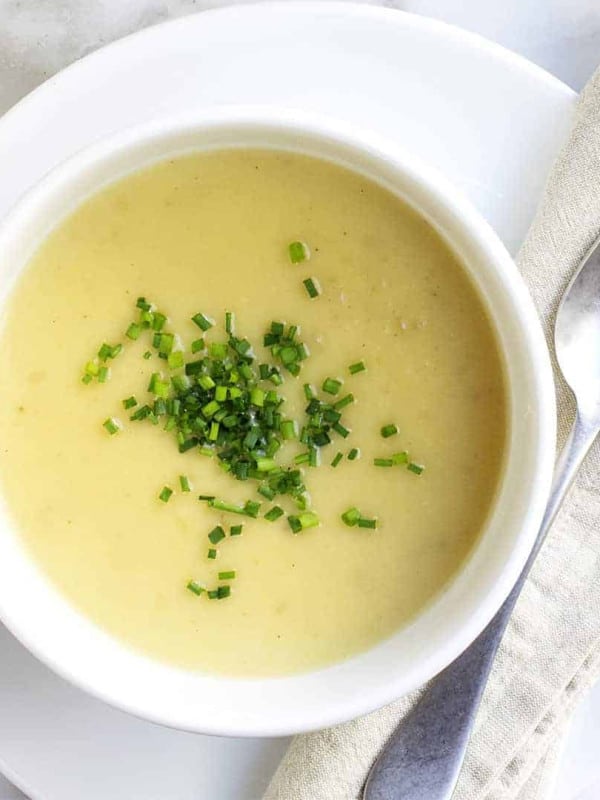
[{"x": 275, "y": 720}]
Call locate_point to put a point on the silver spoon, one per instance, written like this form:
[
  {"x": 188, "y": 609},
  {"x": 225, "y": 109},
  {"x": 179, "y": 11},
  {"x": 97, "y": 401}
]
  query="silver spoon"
[{"x": 422, "y": 759}]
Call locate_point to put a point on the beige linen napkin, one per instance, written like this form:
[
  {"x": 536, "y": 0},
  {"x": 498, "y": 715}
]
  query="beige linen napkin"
[{"x": 551, "y": 652}]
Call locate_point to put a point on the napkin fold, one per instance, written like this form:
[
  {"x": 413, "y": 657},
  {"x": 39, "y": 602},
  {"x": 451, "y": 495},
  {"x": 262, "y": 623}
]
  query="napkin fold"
[{"x": 550, "y": 654}]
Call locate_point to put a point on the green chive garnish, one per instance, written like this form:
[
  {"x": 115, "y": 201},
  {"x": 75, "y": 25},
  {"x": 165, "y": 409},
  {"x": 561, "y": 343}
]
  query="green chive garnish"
[
  {"x": 195, "y": 587},
  {"x": 184, "y": 483},
  {"x": 129, "y": 402},
  {"x": 223, "y": 591},
  {"x": 147, "y": 355},
  {"x": 274, "y": 513},
  {"x": 389, "y": 430},
  {"x": 400, "y": 458},
  {"x": 298, "y": 252},
  {"x": 112, "y": 425},
  {"x": 351, "y": 517},
  {"x": 175, "y": 359},
  {"x": 331, "y": 385},
  {"x": 212, "y": 553},
  {"x": 203, "y": 322},
  {"x": 229, "y": 322},
  {"x": 303, "y": 521},
  {"x": 165, "y": 494},
  {"x": 416, "y": 468},
  {"x": 367, "y": 523},
  {"x": 359, "y": 366},
  {"x": 338, "y": 428},
  {"x": 102, "y": 374},
  {"x": 216, "y": 534},
  {"x": 229, "y": 575},
  {"x": 312, "y": 287},
  {"x": 235, "y": 530},
  {"x": 343, "y": 402},
  {"x": 213, "y": 594},
  {"x": 383, "y": 462},
  {"x": 353, "y": 454},
  {"x": 133, "y": 331},
  {"x": 337, "y": 458}
]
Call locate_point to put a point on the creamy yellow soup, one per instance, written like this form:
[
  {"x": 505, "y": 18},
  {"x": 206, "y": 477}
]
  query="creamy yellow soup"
[{"x": 209, "y": 233}]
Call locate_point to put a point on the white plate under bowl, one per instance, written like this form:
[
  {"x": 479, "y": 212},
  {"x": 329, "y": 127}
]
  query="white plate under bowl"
[{"x": 490, "y": 121}]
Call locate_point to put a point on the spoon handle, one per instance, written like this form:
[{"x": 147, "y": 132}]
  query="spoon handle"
[{"x": 423, "y": 757}]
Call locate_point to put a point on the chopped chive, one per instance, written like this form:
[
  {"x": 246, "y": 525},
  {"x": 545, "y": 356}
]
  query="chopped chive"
[
  {"x": 353, "y": 454},
  {"x": 175, "y": 359},
  {"x": 400, "y": 458},
  {"x": 339, "y": 428},
  {"x": 133, "y": 331},
  {"x": 203, "y": 322},
  {"x": 266, "y": 491},
  {"x": 359, "y": 366},
  {"x": 309, "y": 392},
  {"x": 92, "y": 369},
  {"x": 218, "y": 349},
  {"x": 289, "y": 429},
  {"x": 389, "y": 430},
  {"x": 298, "y": 252},
  {"x": 223, "y": 591},
  {"x": 195, "y": 587},
  {"x": 331, "y": 385},
  {"x": 158, "y": 321},
  {"x": 229, "y": 322},
  {"x": 142, "y": 303},
  {"x": 104, "y": 352},
  {"x": 300, "y": 522},
  {"x": 102, "y": 374},
  {"x": 235, "y": 530},
  {"x": 351, "y": 516},
  {"x": 383, "y": 462},
  {"x": 312, "y": 287},
  {"x": 367, "y": 523},
  {"x": 274, "y": 513},
  {"x": 213, "y": 594},
  {"x": 112, "y": 425},
  {"x": 228, "y": 575},
  {"x": 212, "y": 553},
  {"x": 264, "y": 464},
  {"x": 87, "y": 378},
  {"x": 336, "y": 460},
  {"x": 208, "y": 497},
  {"x": 165, "y": 494},
  {"x": 197, "y": 345},
  {"x": 216, "y": 534},
  {"x": 343, "y": 402},
  {"x": 251, "y": 508},
  {"x": 129, "y": 402},
  {"x": 294, "y": 523},
  {"x": 184, "y": 483},
  {"x": 166, "y": 342},
  {"x": 416, "y": 468}
]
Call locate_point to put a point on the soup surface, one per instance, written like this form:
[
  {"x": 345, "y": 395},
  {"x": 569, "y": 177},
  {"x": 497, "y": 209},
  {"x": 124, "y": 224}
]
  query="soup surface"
[{"x": 209, "y": 233}]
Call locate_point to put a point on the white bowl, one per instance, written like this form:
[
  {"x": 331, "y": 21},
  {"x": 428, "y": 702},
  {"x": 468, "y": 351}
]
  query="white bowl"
[{"x": 79, "y": 651}]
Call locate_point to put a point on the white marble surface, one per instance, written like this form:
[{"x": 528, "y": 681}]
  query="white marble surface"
[{"x": 38, "y": 37}]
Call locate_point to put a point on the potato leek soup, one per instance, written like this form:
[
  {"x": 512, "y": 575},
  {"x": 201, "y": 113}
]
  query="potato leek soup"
[{"x": 254, "y": 412}]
